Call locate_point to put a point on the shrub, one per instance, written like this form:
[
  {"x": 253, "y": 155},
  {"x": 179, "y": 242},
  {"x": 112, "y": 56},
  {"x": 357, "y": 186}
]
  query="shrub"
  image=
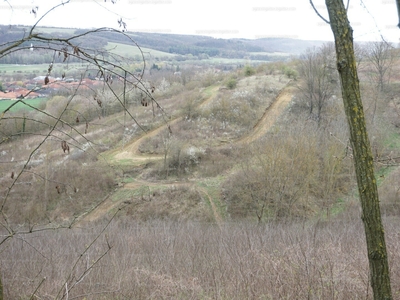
[
  {"x": 291, "y": 73},
  {"x": 249, "y": 71},
  {"x": 231, "y": 83}
]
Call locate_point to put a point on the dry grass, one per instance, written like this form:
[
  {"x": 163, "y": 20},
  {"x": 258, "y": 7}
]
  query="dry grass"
[{"x": 169, "y": 260}]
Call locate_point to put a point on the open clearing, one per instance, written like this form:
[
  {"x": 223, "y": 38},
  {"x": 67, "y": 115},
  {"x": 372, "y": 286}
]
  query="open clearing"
[{"x": 130, "y": 153}]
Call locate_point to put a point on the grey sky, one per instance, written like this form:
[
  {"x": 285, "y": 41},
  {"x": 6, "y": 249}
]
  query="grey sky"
[{"x": 233, "y": 19}]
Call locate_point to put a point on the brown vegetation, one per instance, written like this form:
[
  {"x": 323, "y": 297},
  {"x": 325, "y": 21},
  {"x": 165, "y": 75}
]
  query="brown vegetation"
[
  {"x": 213, "y": 162},
  {"x": 187, "y": 260}
]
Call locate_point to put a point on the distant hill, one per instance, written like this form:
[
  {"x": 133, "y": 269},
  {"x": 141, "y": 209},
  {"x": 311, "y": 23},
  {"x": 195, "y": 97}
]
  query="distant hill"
[
  {"x": 229, "y": 48},
  {"x": 284, "y": 45},
  {"x": 176, "y": 44}
]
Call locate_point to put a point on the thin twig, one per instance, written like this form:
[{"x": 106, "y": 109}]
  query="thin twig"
[
  {"x": 319, "y": 15},
  {"x": 69, "y": 277},
  {"x": 33, "y": 296}
]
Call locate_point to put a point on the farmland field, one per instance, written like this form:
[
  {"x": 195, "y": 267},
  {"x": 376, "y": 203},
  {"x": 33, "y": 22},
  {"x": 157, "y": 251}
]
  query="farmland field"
[
  {"x": 4, "y": 104},
  {"x": 40, "y": 69},
  {"x": 128, "y": 50},
  {"x": 23, "y": 68}
]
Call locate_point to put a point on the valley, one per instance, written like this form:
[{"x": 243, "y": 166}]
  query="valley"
[{"x": 212, "y": 169}]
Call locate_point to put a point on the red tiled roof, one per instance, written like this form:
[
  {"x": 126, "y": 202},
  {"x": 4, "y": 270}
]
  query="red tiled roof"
[
  {"x": 18, "y": 93},
  {"x": 53, "y": 84}
]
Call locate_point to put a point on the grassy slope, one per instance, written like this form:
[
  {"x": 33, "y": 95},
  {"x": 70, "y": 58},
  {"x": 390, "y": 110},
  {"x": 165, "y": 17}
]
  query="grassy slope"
[
  {"x": 24, "y": 68},
  {"x": 131, "y": 51}
]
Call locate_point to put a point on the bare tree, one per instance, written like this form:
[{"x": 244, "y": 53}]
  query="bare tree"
[
  {"x": 381, "y": 57},
  {"x": 277, "y": 178},
  {"x": 318, "y": 73}
]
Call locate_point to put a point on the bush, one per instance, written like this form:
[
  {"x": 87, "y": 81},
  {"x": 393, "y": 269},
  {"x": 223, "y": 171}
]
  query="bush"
[
  {"x": 249, "y": 71},
  {"x": 290, "y": 73},
  {"x": 231, "y": 83},
  {"x": 182, "y": 160}
]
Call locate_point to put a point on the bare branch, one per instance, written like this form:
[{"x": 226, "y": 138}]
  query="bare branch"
[
  {"x": 69, "y": 277},
  {"x": 49, "y": 11},
  {"x": 33, "y": 296},
  {"x": 319, "y": 15},
  {"x": 347, "y": 6},
  {"x": 32, "y": 153},
  {"x": 398, "y": 11}
]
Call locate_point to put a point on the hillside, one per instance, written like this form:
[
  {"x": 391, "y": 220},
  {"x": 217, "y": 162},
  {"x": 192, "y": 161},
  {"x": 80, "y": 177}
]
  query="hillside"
[
  {"x": 130, "y": 153},
  {"x": 201, "y": 47},
  {"x": 144, "y": 198},
  {"x": 138, "y": 165},
  {"x": 196, "y": 162}
]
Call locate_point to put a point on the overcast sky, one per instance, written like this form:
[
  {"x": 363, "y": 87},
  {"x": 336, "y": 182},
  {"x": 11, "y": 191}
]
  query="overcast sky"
[{"x": 217, "y": 18}]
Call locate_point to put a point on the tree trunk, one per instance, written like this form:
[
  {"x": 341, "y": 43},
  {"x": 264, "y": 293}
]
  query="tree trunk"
[
  {"x": 363, "y": 160},
  {"x": 1, "y": 289}
]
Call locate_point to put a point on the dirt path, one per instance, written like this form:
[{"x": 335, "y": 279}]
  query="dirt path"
[
  {"x": 107, "y": 204},
  {"x": 270, "y": 116},
  {"x": 217, "y": 216},
  {"x": 99, "y": 210},
  {"x": 130, "y": 151}
]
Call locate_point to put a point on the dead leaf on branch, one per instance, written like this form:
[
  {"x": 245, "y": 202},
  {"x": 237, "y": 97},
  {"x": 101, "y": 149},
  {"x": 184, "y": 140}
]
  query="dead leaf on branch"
[
  {"x": 109, "y": 79},
  {"x": 122, "y": 24},
  {"x": 34, "y": 10},
  {"x": 144, "y": 102},
  {"x": 46, "y": 80},
  {"x": 98, "y": 100},
  {"x": 65, "y": 146},
  {"x": 76, "y": 50},
  {"x": 64, "y": 50}
]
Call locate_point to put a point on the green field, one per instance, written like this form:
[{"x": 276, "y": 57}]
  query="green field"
[
  {"x": 57, "y": 30},
  {"x": 9, "y": 68},
  {"x": 281, "y": 54},
  {"x": 38, "y": 68},
  {"x": 4, "y": 104},
  {"x": 131, "y": 51}
]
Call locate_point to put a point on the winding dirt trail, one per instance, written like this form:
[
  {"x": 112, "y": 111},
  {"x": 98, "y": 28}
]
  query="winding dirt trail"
[
  {"x": 107, "y": 204},
  {"x": 217, "y": 216},
  {"x": 270, "y": 116},
  {"x": 130, "y": 151}
]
